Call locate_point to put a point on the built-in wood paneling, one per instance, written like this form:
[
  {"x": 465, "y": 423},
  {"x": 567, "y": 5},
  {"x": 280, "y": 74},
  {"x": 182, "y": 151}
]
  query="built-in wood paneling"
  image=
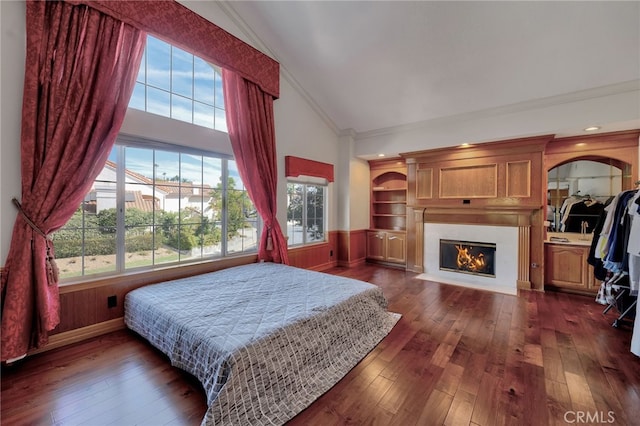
[
  {"x": 469, "y": 182},
  {"x": 357, "y": 248},
  {"x": 519, "y": 178},
  {"x": 316, "y": 256},
  {"x": 496, "y": 183},
  {"x": 496, "y": 174},
  {"x": 424, "y": 183},
  {"x": 620, "y": 147}
]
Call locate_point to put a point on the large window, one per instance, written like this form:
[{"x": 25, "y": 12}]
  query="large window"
[
  {"x": 153, "y": 206},
  {"x": 305, "y": 213},
  {"x": 163, "y": 203},
  {"x": 176, "y": 84}
]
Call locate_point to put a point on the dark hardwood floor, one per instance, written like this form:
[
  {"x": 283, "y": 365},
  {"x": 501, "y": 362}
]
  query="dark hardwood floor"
[{"x": 457, "y": 357}]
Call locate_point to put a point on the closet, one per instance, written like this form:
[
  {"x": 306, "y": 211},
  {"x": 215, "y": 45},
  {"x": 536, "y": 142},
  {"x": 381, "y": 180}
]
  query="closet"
[{"x": 577, "y": 262}]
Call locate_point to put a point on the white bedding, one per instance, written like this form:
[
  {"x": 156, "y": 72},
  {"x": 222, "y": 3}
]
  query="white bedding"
[{"x": 264, "y": 339}]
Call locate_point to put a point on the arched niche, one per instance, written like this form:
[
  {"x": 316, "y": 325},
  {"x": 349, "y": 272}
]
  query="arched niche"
[
  {"x": 595, "y": 166},
  {"x": 618, "y": 149}
]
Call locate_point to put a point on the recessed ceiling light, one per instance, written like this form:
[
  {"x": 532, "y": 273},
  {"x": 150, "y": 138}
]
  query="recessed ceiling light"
[
  {"x": 465, "y": 145},
  {"x": 380, "y": 155},
  {"x": 592, "y": 128}
]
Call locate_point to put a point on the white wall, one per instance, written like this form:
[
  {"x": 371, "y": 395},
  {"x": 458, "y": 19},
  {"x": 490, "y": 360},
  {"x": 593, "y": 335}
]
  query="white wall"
[
  {"x": 12, "y": 56},
  {"x": 299, "y": 130}
]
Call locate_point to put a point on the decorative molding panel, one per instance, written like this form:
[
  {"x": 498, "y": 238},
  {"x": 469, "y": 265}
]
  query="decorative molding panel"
[
  {"x": 519, "y": 179},
  {"x": 424, "y": 183},
  {"x": 477, "y": 181}
]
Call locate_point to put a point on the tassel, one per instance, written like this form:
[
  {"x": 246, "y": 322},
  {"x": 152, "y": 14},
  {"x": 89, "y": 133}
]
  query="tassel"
[
  {"x": 52, "y": 268},
  {"x": 269, "y": 240}
]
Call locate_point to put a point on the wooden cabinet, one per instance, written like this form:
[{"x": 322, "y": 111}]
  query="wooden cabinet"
[
  {"x": 386, "y": 241},
  {"x": 387, "y": 246},
  {"x": 566, "y": 268}
]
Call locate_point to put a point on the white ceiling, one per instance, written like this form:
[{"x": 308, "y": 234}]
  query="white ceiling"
[{"x": 370, "y": 65}]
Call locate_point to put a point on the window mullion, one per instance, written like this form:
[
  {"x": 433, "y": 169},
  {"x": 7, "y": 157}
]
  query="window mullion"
[
  {"x": 224, "y": 215},
  {"x": 120, "y": 208},
  {"x": 305, "y": 195}
]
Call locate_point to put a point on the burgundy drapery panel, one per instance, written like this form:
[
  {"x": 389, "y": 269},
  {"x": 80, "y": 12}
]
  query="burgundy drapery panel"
[
  {"x": 250, "y": 122},
  {"x": 81, "y": 67}
]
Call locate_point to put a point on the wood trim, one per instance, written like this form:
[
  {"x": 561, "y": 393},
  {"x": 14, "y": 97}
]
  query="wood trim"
[
  {"x": 80, "y": 334},
  {"x": 478, "y": 216},
  {"x": 524, "y": 256},
  {"x": 486, "y": 149},
  {"x": 415, "y": 240}
]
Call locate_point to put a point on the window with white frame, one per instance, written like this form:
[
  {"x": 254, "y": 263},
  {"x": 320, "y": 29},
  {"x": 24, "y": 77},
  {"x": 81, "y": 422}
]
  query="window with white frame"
[
  {"x": 176, "y": 84},
  {"x": 155, "y": 206},
  {"x": 306, "y": 210}
]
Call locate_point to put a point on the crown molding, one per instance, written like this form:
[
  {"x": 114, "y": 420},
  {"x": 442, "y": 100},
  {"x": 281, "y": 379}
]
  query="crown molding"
[{"x": 593, "y": 93}]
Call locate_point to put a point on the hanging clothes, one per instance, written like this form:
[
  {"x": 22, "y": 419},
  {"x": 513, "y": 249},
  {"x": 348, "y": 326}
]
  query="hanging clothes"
[{"x": 616, "y": 250}]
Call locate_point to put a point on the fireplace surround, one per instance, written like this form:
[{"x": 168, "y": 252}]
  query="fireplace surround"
[{"x": 506, "y": 240}]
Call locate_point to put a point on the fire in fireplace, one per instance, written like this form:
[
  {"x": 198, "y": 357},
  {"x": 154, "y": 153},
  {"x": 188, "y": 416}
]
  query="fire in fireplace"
[{"x": 468, "y": 257}]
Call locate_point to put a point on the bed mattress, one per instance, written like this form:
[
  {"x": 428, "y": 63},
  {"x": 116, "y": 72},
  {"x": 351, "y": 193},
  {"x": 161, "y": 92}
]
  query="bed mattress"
[{"x": 265, "y": 340}]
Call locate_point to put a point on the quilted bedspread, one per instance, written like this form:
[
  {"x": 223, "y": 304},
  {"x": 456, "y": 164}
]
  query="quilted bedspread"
[{"x": 265, "y": 340}]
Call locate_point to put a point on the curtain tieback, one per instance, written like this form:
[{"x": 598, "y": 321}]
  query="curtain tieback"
[
  {"x": 52, "y": 268},
  {"x": 269, "y": 239}
]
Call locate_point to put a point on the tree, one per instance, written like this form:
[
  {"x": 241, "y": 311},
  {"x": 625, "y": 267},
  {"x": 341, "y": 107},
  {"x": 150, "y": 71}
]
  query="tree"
[{"x": 238, "y": 206}]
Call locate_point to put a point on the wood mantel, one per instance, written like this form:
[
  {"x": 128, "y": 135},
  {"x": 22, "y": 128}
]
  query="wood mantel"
[{"x": 522, "y": 218}]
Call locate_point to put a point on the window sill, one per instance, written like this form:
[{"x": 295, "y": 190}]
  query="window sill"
[{"x": 159, "y": 274}]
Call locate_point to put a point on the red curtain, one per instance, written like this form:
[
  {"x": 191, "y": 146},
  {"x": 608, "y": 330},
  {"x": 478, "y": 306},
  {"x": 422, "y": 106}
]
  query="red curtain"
[
  {"x": 81, "y": 67},
  {"x": 250, "y": 123}
]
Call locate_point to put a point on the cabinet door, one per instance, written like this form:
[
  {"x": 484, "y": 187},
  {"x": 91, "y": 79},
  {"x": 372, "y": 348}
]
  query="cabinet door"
[
  {"x": 567, "y": 266},
  {"x": 396, "y": 247},
  {"x": 376, "y": 245}
]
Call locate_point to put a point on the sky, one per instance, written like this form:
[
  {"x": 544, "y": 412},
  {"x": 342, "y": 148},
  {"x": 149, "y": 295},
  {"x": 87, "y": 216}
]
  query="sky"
[{"x": 173, "y": 83}]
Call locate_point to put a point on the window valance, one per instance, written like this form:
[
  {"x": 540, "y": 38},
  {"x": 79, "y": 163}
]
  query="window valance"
[
  {"x": 296, "y": 166},
  {"x": 186, "y": 29}
]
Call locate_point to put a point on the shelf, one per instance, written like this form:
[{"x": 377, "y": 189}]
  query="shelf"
[
  {"x": 388, "y": 197},
  {"x": 388, "y": 189},
  {"x": 390, "y": 202}
]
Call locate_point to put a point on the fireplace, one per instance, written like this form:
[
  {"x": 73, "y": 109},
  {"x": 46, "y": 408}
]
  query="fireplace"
[
  {"x": 502, "y": 276},
  {"x": 467, "y": 257}
]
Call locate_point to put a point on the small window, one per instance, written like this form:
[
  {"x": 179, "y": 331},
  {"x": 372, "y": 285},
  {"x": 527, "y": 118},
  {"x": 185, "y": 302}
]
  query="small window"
[{"x": 306, "y": 207}]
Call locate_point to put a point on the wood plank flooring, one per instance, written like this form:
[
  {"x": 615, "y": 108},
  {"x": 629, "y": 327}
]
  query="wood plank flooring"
[{"x": 457, "y": 357}]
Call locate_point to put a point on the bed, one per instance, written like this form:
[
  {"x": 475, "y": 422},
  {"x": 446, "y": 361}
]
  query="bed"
[{"x": 265, "y": 340}]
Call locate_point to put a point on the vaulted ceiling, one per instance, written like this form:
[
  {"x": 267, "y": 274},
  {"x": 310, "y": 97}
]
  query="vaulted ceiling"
[{"x": 370, "y": 65}]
